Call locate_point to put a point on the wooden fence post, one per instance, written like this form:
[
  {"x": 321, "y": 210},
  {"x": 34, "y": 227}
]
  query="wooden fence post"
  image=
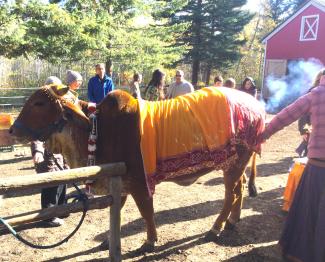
[{"x": 115, "y": 184}]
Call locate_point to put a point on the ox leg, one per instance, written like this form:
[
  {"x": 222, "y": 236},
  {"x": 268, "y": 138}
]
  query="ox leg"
[
  {"x": 233, "y": 178},
  {"x": 145, "y": 206},
  {"x": 251, "y": 183},
  {"x": 236, "y": 208}
]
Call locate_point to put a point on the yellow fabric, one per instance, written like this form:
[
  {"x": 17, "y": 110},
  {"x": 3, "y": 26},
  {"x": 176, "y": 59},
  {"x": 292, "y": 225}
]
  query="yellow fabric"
[
  {"x": 169, "y": 128},
  {"x": 292, "y": 184}
]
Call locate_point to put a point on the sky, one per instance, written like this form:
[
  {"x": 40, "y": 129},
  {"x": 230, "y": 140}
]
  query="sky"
[{"x": 253, "y": 5}]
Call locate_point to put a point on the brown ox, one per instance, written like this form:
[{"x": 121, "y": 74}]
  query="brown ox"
[{"x": 47, "y": 115}]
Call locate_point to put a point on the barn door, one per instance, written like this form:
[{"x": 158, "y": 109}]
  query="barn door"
[{"x": 276, "y": 68}]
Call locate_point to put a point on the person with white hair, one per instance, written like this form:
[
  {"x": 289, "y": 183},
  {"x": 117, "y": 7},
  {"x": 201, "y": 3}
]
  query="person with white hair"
[
  {"x": 53, "y": 80},
  {"x": 180, "y": 86}
]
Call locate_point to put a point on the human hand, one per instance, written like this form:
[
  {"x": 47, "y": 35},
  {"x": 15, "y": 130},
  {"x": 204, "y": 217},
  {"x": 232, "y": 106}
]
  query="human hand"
[
  {"x": 267, "y": 122},
  {"x": 38, "y": 158}
]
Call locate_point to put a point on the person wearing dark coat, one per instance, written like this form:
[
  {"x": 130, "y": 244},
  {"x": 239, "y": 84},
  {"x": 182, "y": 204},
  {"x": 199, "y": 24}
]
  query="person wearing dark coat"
[
  {"x": 45, "y": 161},
  {"x": 249, "y": 86}
]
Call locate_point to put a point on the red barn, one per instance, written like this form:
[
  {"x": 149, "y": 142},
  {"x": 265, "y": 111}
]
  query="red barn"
[{"x": 300, "y": 37}]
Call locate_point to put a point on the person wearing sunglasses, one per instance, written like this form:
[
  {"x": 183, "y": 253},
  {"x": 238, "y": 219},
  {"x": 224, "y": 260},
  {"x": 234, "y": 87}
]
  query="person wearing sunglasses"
[{"x": 180, "y": 86}]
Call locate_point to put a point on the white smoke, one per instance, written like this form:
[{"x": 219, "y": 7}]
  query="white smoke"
[{"x": 296, "y": 83}]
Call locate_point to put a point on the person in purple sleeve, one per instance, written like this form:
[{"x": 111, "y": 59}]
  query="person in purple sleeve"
[{"x": 303, "y": 235}]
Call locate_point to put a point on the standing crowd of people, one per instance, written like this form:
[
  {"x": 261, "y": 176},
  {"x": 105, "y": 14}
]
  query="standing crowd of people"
[{"x": 156, "y": 89}]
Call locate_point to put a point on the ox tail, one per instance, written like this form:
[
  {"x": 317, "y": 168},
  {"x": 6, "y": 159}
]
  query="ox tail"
[{"x": 251, "y": 182}]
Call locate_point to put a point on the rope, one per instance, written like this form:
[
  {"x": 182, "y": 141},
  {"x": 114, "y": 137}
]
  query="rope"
[
  {"x": 82, "y": 197},
  {"x": 92, "y": 141}
]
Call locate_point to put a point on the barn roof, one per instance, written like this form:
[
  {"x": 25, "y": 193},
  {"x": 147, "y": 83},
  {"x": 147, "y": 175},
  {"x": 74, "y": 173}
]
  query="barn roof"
[{"x": 320, "y": 4}]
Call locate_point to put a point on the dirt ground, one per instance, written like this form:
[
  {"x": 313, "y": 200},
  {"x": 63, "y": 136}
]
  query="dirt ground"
[{"x": 183, "y": 216}]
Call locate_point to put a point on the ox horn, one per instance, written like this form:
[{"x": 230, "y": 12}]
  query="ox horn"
[{"x": 58, "y": 90}]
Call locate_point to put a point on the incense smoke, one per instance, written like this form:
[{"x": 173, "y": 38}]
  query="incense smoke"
[{"x": 285, "y": 90}]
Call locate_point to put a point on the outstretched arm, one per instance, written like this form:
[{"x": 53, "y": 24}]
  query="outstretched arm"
[{"x": 288, "y": 115}]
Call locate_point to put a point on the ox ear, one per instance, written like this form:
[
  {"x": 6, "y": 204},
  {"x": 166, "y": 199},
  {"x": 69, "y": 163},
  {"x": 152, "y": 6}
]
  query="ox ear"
[
  {"x": 59, "y": 90},
  {"x": 73, "y": 113}
]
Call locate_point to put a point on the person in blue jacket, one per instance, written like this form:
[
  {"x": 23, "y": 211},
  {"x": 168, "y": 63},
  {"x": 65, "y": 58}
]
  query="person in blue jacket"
[{"x": 99, "y": 85}]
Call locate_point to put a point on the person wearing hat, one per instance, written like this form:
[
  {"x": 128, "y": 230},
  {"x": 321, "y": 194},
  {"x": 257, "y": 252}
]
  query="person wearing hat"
[
  {"x": 99, "y": 85},
  {"x": 74, "y": 80},
  {"x": 46, "y": 161}
]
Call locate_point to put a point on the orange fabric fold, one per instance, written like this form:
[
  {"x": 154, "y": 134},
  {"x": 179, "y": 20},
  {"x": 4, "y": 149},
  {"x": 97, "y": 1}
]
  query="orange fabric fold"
[{"x": 196, "y": 121}]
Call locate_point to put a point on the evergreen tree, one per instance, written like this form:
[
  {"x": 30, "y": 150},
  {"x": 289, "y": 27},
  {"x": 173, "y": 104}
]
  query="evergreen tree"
[
  {"x": 297, "y": 4},
  {"x": 47, "y": 31},
  {"x": 280, "y": 10},
  {"x": 212, "y": 32},
  {"x": 72, "y": 30}
]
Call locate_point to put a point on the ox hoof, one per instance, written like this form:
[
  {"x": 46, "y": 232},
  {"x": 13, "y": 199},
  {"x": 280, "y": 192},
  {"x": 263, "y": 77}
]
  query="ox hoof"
[
  {"x": 104, "y": 245},
  {"x": 252, "y": 190},
  {"x": 230, "y": 226},
  {"x": 212, "y": 236},
  {"x": 146, "y": 248}
]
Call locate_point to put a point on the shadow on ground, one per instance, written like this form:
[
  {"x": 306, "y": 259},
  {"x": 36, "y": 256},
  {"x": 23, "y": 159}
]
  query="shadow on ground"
[
  {"x": 257, "y": 255},
  {"x": 271, "y": 169},
  {"x": 250, "y": 230}
]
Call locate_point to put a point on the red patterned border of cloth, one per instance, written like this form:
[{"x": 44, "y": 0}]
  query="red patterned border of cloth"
[
  {"x": 248, "y": 120},
  {"x": 190, "y": 163}
]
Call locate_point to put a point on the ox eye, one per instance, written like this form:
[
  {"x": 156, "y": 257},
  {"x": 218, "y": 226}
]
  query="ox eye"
[{"x": 38, "y": 104}]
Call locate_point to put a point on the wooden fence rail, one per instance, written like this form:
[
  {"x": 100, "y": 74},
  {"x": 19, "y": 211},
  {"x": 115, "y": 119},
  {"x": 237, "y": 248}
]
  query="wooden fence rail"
[
  {"x": 38, "y": 181},
  {"x": 42, "y": 180}
]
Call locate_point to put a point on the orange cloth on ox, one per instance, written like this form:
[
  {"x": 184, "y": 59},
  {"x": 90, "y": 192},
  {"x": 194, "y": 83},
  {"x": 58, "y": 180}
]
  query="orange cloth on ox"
[
  {"x": 292, "y": 184},
  {"x": 184, "y": 135},
  {"x": 6, "y": 120}
]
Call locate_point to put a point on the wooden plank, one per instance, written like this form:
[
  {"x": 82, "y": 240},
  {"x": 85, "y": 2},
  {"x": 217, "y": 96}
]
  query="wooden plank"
[
  {"x": 13, "y": 105},
  {"x": 13, "y": 97},
  {"x": 38, "y": 181},
  {"x": 115, "y": 185},
  {"x": 57, "y": 211}
]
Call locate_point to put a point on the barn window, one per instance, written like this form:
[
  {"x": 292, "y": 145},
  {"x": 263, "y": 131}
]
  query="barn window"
[{"x": 309, "y": 28}]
